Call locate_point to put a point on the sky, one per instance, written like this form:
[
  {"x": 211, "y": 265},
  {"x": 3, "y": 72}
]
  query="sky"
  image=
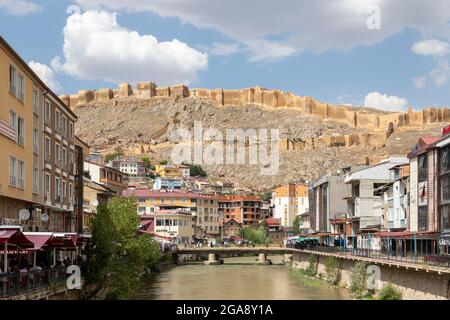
[{"x": 378, "y": 53}]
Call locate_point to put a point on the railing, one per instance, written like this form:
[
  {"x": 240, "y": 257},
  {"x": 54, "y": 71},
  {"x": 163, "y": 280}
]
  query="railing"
[
  {"x": 19, "y": 283},
  {"x": 410, "y": 257}
]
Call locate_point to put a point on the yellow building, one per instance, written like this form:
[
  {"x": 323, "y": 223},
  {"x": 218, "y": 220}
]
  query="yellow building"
[
  {"x": 36, "y": 173},
  {"x": 172, "y": 171}
]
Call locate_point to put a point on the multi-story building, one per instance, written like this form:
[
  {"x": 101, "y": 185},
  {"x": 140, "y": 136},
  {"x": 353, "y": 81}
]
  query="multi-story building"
[
  {"x": 204, "y": 208},
  {"x": 109, "y": 177},
  {"x": 243, "y": 209},
  {"x": 396, "y": 199},
  {"x": 132, "y": 166},
  {"x": 37, "y": 139},
  {"x": 288, "y": 202},
  {"x": 168, "y": 183},
  {"x": 176, "y": 224},
  {"x": 173, "y": 171},
  {"x": 232, "y": 228},
  {"x": 429, "y": 194}
]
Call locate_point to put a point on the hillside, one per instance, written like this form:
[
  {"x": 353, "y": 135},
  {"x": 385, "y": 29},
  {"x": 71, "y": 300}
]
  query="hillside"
[{"x": 147, "y": 126}]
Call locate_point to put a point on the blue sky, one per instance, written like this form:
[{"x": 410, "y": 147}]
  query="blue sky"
[{"x": 324, "y": 52}]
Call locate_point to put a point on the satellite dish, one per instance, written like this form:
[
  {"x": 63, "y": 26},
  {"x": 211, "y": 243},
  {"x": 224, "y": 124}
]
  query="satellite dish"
[
  {"x": 94, "y": 202},
  {"x": 24, "y": 214},
  {"x": 44, "y": 217}
]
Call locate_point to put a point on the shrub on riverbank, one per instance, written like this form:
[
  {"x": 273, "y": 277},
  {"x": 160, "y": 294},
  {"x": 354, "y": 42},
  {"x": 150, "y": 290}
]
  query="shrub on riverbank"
[
  {"x": 358, "y": 286},
  {"x": 389, "y": 292},
  {"x": 312, "y": 267},
  {"x": 257, "y": 235},
  {"x": 117, "y": 256},
  {"x": 332, "y": 270}
]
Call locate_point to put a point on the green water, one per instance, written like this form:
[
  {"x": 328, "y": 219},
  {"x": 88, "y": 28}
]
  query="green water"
[{"x": 237, "y": 279}]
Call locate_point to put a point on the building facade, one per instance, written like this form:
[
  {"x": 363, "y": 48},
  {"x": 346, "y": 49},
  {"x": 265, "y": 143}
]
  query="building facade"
[
  {"x": 37, "y": 170},
  {"x": 111, "y": 178},
  {"x": 173, "y": 171},
  {"x": 204, "y": 208},
  {"x": 132, "y": 166},
  {"x": 288, "y": 202},
  {"x": 177, "y": 224},
  {"x": 241, "y": 208}
]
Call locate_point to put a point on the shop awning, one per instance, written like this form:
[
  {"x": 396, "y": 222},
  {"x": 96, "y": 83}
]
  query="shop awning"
[
  {"x": 39, "y": 239},
  {"x": 14, "y": 237}
]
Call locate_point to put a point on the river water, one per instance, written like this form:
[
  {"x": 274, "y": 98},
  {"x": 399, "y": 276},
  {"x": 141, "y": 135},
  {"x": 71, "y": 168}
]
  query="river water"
[{"x": 237, "y": 279}]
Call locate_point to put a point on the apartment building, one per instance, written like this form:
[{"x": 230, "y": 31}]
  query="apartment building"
[
  {"x": 176, "y": 224},
  {"x": 204, "y": 208},
  {"x": 242, "y": 208},
  {"x": 173, "y": 171},
  {"x": 111, "y": 178},
  {"x": 37, "y": 143},
  {"x": 288, "y": 202},
  {"x": 168, "y": 183},
  {"x": 366, "y": 203},
  {"x": 132, "y": 166},
  {"x": 396, "y": 199}
]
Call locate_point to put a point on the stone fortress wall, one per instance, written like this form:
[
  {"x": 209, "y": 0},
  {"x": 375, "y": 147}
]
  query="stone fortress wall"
[{"x": 381, "y": 124}]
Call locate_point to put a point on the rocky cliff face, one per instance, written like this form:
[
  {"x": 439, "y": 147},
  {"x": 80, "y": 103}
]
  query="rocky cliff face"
[{"x": 310, "y": 144}]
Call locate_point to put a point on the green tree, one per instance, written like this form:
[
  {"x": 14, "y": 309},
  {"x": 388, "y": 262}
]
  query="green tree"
[
  {"x": 296, "y": 225},
  {"x": 358, "y": 286},
  {"x": 197, "y": 171},
  {"x": 118, "y": 151},
  {"x": 147, "y": 162},
  {"x": 163, "y": 162},
  {"x": 257, "y": 234},
  {"x": 117, "y": 256},
  {"x": 267, "y": 196},
  {"x": 390, "y": 292}
]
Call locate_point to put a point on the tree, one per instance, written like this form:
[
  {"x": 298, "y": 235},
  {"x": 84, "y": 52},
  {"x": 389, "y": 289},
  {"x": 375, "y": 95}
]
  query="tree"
[
  {"x": 257, "y": 234},
  {"x": 163, "y": 162},
  {"x": 296, "y": 225},
  {"x": 197, "y": 171},
  {"x": 118, "y": 151},
  {"x": 267, "y": 196},
  {"x": 148, "y": 163},
  {"x": 117, "y": 256}
]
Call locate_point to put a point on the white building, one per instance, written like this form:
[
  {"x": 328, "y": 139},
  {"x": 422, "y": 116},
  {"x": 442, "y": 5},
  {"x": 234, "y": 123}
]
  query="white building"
[
  {"x": 396, "y": 199},
  {"x": 132, "y": 166},
  {"x": 288, "y": 202},
  {"x": 177, "y": 224}
]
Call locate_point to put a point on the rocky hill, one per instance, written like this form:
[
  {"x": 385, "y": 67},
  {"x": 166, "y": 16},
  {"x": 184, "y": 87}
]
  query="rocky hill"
[{"x": 311, "y": 145}]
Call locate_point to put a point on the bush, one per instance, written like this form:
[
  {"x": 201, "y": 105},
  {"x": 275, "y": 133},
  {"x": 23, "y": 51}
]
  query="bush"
[
  {"x": 358, "y": 285},
  {"x": 332, "y": 270},
  {"x": 390, "y": 292},
  {"x": 312, "y": 268}
]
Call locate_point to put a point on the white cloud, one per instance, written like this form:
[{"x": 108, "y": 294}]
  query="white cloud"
[
  {"x": 298, "y": 25},
  {"x": 260, "y": 50},
  {"x": 433, "y": 47},
  {"x": 224, "y": 49},
  {"x": 385, "y": 102},
  {"x": 440, "y": 74},
  {"x": 46, "y": 74},
  {"x": 19, "y": 7},
  {"x": 420, "y": 82},
  {"x": 97, "y": 47}
]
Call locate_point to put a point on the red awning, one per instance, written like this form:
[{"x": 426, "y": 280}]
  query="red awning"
[
  {"x": 39, "y": 239},
  {"x": 14, "y": 237}
]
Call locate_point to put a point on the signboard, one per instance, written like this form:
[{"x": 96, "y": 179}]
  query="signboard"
[
  {"x": 446, "y": 131},
  {"x": 7, "y": 130}
]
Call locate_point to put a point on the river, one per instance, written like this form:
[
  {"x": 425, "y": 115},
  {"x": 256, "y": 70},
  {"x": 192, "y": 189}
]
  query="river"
[{"x": 237, "y": 279}]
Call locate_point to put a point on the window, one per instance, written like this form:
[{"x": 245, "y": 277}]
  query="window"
[
  {"x": 445, "y": 217},
  {"x": 71, "y": 194},
  {"x": 159, "y": 223},
  {"x": 12, "y": 172},
  {"x": 20, "y": 87},
  {"x": 141, "y": 200},
  {"x": 71, "y": 131},
  {"x": 445, "y": 188},
  {"x": 64, "y": 158},
  {"x": 445, "y": 159},
  {"x": 35, "y": 141},
  {"x": 58, "y": 154},
  {"x": 422, "y": 168},
  {"x": 57, "y": 189},
  {"x": 48, "y": 114},
  {"x": 47, "y": 186},
  {"x": 422, "y": 219},
  {"x": 58, "y": 120},
  {"x": 64, "y": 124},
  {"x": 12, "y": 80},
  {"x": 20, "y": 174},
  {"x": 47, "y": 149},
  {"x": 64, "y": 191},
  {"x": 36, "y": 100},
  {"x": 20, "y": 131},
  {"x": 13, "y": 120},
  {"x": 35, "y": 180}
]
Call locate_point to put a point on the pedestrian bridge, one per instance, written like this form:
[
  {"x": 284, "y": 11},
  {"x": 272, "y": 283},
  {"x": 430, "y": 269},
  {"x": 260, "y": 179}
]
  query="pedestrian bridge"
[{"x": 214, "y": 253}]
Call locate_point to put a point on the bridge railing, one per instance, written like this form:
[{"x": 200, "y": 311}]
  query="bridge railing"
[{"x": 429, "y": 259}]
